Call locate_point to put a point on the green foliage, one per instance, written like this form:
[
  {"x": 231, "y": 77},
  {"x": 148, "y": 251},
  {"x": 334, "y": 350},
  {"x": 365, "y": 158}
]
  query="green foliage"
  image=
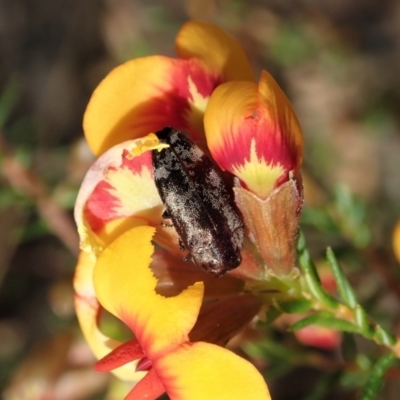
[
  {"x": 323, "y": 387},
  {"x": 376, "y": 376},
  {"x": 327, "y": 320},
  {"x": 345, "y": 290},
  {"x": 311, "y": 277},
  {"x": 291, "y": 46},
  {"x": 294, "y": 307},
  {"x": 359, "y": 321},
  {"x": 281, "y": 360},
  {"x": 8, "y": 100},
  {"x": 10, "y": 197},
  {"x": 340, "y": 312},
  {"x": 345, "y": 215},
  {"x": 350, "y": 213}
]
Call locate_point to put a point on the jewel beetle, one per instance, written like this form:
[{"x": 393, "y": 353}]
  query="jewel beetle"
[{"x": 198, "y": 203}]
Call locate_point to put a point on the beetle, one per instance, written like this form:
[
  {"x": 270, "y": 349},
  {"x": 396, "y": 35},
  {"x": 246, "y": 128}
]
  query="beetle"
[{"x": 198, "y": 203}]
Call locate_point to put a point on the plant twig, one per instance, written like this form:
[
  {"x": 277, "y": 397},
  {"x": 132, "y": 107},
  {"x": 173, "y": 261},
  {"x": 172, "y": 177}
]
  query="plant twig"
[{"x": 27, "y": 183}]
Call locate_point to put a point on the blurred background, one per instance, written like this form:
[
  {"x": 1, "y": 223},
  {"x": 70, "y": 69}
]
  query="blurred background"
[{"x": 339, "y": 63}]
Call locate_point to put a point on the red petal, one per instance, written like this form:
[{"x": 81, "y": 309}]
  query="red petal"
[
  {"x": 150, "y": 387},
  {"x": 121, "y": 355}
]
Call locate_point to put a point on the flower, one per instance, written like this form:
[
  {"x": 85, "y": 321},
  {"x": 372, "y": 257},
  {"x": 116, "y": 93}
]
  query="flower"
[
  {"x": 118, "y": 194},
  {"x": 146, "y": 94},
  {"x": 396, "y": 241},
  {"x": 320, "y": 337},
  {"x": 185, "y": 370},
  {"x": 180, "y": 314},
  {"x": 253, "y": 132}
]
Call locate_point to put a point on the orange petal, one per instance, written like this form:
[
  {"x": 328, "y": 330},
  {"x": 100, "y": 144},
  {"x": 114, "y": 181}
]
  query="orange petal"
[
  {"x": 150, "y": 387},
  {"x": 125, "y": 286},
  {"x": 254, "y": 133},
  {"x": 145, "y": 95},
  {"x": 220, "y": 53},
  {"x": 88, "y": 310},
  {"x": 204, "y": 371}
]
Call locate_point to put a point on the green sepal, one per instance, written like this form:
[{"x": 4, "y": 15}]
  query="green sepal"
[{"x": 293, "y": 307}]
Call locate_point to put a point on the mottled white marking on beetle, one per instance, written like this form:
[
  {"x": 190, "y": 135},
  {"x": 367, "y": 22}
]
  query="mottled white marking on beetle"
[{"x": 198, "y": 203}]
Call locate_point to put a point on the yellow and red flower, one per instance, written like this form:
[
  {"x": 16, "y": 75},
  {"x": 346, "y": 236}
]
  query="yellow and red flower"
[
  {"x": 161, "y": 325},
  {"x": 146, "y": 94},
  {"x": 396, "y": 241},
  {"x": 180, "y": 316},
  {"x": 252, "y": 132}
]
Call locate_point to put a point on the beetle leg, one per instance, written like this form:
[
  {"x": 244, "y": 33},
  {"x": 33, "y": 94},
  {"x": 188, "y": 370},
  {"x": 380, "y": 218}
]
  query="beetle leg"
[{"x": 166, "y": 215}]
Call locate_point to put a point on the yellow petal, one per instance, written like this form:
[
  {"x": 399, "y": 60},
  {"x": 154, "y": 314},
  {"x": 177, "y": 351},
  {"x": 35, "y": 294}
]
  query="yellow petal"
[
  {"x": 396, "y": 241},
  {"x": 204, "y": 371},
  {"x": 125, "y": 286},
  {"x": 88, "y": 311},
  {"x": 145, "y": 95},
  {"x": 253, "y": 133},
  {"x": 281, "y": 114},
  {"x": 220, "y": 53}
]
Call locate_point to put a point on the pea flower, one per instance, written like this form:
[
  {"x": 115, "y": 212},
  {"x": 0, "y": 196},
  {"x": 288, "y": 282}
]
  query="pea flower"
[
  {"x": 396, "y": 241},
  {"x": 127, "y": 167},
  {"x": 180, "y": 316},
  {"x": 252, "y": 132},
  {"x": 146, "y": 94},
  {"x": 185, "y": 370}
]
